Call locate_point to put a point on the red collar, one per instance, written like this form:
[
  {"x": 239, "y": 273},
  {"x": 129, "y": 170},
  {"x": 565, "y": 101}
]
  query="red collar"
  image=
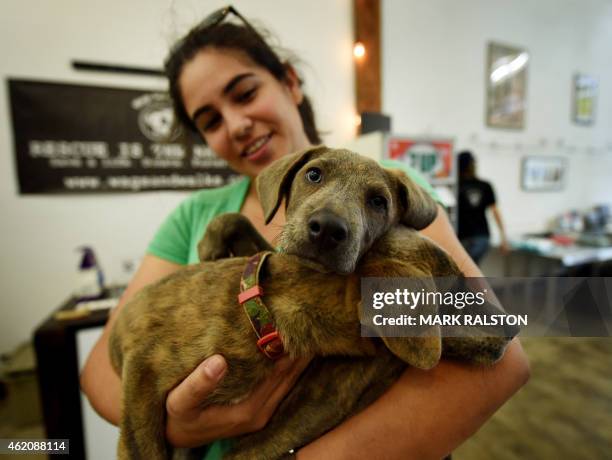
[{"x": 269, "y": 341}]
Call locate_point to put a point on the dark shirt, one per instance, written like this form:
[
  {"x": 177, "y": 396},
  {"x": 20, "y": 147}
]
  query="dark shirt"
[{"x": 475, "y": 196}]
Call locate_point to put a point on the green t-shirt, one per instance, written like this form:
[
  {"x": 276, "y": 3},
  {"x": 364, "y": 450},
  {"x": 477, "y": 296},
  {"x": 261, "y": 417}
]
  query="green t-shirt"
[{"x": 178, "y": 237}]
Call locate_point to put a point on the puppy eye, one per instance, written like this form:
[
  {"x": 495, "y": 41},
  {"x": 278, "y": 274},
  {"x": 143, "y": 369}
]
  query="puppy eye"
[
  {"x": 314, "y": 175},
  {"x": 378, "y": 202}
]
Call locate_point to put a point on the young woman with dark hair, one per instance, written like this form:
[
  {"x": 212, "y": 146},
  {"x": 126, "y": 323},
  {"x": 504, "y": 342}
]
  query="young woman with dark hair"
[{"x": 248, "y": 105}]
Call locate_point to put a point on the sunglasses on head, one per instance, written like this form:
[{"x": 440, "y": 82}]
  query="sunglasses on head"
[
  {"x": 216, "y": 17},
  {"x": 213, "y": 20}
]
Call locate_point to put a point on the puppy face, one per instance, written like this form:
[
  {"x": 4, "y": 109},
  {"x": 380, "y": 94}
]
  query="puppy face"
[
  {"x": 338, "y": 203},
  {"x": 337, "y": 209}
]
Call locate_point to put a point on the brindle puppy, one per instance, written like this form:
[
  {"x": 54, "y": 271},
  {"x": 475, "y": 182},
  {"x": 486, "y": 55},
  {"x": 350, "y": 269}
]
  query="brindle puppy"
[{"x": 171, "y": 326}]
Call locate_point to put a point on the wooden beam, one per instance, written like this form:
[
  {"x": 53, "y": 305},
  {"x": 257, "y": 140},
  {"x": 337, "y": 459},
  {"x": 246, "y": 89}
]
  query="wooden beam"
[{"x": 367, "y": 69}]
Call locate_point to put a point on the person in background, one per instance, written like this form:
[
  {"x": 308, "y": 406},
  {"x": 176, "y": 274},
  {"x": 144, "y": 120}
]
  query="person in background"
[
  {"x": 232, "y": 88},
  {"x": 475, "y": 197}
]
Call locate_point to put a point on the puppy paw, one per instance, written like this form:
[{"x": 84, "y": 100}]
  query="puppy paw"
[
  {"x": 230, "y": 235},
  {"x": 209, "y": 253}
]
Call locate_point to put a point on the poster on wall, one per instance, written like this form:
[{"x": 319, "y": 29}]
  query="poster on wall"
[
  {"x": 88, "y": 139},
  {"x": 585, "y": 95},
  {"x": 543, "y": 173},
  {"x": 432, "y": 157},
  {"x": 506, "y": 86}
]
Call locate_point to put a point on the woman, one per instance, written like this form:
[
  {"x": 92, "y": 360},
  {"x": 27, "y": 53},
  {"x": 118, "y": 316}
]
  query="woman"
[
  {"x": 476, "y": 196},
  {"x": 248, "y": 106}
]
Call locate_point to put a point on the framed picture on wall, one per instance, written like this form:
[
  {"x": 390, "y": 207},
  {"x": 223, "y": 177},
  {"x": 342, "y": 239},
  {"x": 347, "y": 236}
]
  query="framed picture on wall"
[
  {"x": 585, "y": 95},
  {"x": 543, "y": 173},
  {"x": 506, "y": 85}
]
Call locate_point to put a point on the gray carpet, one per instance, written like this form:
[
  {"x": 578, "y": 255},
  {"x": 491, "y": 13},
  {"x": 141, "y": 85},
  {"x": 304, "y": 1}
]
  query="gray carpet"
[{"x": 564, "y": 412}]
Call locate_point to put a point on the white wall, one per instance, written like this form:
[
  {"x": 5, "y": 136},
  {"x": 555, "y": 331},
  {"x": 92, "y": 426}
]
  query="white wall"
[
  {"x": 38, "y": 39},
  {"x": 434, "y": 83}
]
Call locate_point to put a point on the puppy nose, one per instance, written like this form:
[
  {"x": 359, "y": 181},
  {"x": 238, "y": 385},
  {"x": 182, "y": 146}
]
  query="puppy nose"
[
  {"x": 326, "y": 229},
  {"x": 511, "y": 331}
]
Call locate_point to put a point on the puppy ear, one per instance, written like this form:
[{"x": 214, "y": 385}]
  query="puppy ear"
[
  {"x": 417, "y": 207},
  {"x": 274, "y": 182},
  {"x": 422, "y": 352}
]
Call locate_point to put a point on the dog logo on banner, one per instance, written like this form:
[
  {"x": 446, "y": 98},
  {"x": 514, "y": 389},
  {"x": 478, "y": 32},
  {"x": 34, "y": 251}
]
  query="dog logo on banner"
[{"x": 156, "y": 117}]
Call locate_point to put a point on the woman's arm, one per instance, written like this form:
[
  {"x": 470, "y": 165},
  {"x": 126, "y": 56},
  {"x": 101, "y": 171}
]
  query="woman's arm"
[
  {"x": 503, "y": 245},
  {"x": 427, "y": 414}
]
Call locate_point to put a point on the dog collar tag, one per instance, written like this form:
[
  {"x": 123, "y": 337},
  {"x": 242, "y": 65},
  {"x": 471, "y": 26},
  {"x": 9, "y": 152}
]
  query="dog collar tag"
[{"x": 250, "y": 297}]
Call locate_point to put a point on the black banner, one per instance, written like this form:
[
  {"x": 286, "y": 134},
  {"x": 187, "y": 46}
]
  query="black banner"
[{"x": 82, "y": 139}]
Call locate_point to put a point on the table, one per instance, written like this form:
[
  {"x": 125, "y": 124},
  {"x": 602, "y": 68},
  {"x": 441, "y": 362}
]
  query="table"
[
  {"x": 560, "y": 258},
  {"x": 58, "y": 374}
]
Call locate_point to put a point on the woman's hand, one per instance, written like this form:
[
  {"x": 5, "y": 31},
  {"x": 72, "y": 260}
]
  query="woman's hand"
[{"x": 190, "y": 425}]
